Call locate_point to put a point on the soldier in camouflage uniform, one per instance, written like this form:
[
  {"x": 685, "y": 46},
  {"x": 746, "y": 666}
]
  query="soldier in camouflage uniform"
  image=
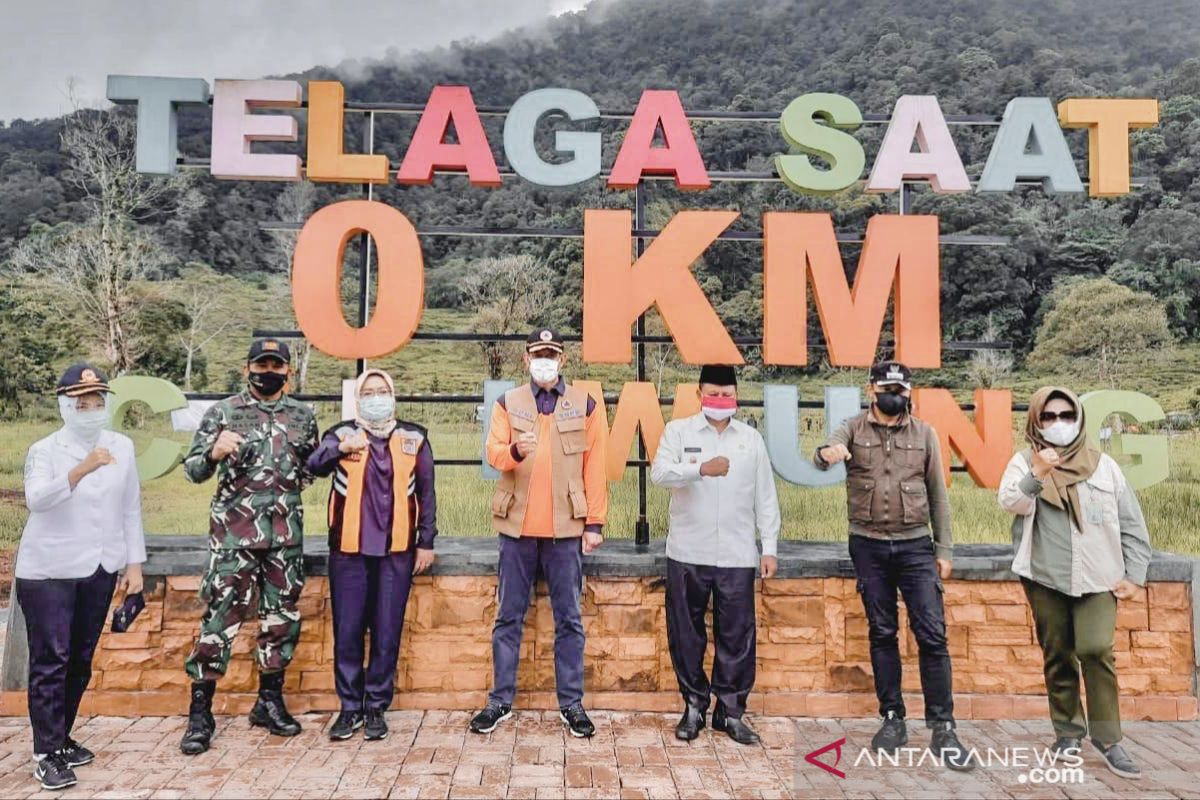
[{"x": 257, "y": 443}]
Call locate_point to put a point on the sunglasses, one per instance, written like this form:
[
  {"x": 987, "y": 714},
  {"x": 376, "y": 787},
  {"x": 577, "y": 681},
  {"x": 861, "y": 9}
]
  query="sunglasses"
[{"x": 1065, "y": 416}]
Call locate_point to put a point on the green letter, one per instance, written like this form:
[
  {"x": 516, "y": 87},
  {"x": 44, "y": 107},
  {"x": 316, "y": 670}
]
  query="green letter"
[
  {"x": 162, "y": 455},
  {"x": 1149, "y": 465},
  {"x": 829, "y": 141}
]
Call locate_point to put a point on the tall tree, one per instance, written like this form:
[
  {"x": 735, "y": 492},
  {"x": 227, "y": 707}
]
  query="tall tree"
[
  {"x": 205, "y": 297},
  {"x": 1098, "y": 331},
  {"x": 91, "y": 268},
  {"x": 293, "y": 206},
  {"x": 507, "y": 295}
]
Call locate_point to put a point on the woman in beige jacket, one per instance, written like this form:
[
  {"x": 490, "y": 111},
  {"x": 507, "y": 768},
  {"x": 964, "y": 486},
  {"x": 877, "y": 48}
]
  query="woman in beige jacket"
[{"x": 1081, "y": 545}]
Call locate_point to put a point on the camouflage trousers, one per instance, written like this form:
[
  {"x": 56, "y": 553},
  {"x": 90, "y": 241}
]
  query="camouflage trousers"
[{"x": 228, "y": 589}]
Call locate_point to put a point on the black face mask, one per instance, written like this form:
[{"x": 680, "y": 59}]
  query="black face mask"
[
  {"x": 268, "y": 384},
  {"x": 892, "y": 404}
]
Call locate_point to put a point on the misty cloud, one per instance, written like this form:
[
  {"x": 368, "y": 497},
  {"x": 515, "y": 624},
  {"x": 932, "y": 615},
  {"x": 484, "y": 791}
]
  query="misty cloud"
[{"x": 50, "y": 46}]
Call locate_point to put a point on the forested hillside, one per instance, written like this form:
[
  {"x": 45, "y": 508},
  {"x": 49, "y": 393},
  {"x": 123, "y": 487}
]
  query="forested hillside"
[{"x": 974, "y": 55}]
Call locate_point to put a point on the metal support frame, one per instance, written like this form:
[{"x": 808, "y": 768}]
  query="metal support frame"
[{"x": 641, "y": 234}]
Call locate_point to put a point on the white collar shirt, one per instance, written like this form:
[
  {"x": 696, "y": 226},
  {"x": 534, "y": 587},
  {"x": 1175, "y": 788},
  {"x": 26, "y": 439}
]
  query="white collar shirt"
[
  {"x": 71, "y": 532},
  {"x": 713, "y": 520}
]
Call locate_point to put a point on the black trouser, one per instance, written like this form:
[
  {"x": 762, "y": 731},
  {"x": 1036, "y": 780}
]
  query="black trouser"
[
  {"x": 908, "y": 565},
  {"x": 64, "y": 618},
  {"x": 689, "y": 587}
]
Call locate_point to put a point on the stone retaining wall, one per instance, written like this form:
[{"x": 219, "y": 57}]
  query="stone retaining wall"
[{"x": 812, "y": 641}]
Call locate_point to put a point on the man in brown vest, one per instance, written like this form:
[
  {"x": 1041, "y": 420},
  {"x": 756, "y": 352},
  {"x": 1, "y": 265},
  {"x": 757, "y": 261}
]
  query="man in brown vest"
[
  {"x": 547, "y": 439},
  {"x": 900, "y": 541}
]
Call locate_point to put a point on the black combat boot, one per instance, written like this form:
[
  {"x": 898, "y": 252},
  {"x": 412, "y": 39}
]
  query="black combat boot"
[
  {"x": 270, "y": 712},
  {"x": 201, "y": 725}
]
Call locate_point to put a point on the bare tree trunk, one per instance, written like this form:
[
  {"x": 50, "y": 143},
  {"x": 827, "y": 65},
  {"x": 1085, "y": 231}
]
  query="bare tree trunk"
[{"x": 302, "y": 372}]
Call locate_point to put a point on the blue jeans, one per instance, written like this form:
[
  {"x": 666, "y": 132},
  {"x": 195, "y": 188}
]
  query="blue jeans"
[
  {"x": 885, "y": 566},
  {"x": 561, "y": 562}
]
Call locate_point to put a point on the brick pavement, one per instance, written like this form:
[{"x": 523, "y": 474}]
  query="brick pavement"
[{"x": 633, "y": 755}]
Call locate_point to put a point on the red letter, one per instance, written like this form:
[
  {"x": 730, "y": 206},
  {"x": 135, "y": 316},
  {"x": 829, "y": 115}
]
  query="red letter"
[
  {"x": 680, "y": 157},
  {"x": 449, "y": 105}
]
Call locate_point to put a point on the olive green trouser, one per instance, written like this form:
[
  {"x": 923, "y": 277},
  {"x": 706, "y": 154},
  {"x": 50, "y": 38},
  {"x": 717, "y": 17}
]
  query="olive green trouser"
[{"x": 1076, "y": 634}]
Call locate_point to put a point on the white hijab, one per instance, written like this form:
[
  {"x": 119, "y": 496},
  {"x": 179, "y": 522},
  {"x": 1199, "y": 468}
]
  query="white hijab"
[
  {"x": 84, "y": 426},
  {"x": 383, "y": 428}
]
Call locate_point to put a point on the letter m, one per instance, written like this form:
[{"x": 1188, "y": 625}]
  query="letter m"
[{"x": 899, "y": 254}]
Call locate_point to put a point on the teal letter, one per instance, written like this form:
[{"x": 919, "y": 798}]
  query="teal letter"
[
  {"x": 783, "y": 432},
  {"x": 519, "y": 127},
  {"x": 492, "y": 391},
  {"x": 1150, "y": 464},
  {"x": 1030, "y": 146},
  {"x": 156, "y": 100}
]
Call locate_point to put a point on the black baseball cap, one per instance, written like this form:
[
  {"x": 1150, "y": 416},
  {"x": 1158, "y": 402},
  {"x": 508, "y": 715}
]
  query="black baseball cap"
[
  {"x": 269, "y": 348},
  {"x": 81, "y": 379},
  {"x": 891, "y": 373},
  {"x": 544, "y": 339}
]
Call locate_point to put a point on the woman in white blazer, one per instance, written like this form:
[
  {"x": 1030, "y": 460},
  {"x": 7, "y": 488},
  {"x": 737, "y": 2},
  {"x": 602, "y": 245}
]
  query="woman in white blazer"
[{"x": 85, "y": 526}]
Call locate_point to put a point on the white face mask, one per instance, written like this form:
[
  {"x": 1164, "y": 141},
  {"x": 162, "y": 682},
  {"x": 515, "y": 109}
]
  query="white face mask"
[
  {"x": 84, "y": 425},
  {"x": 1061, "y": 433},
  {"x": 718, "y": 414},
  {"x": 377, "y": 408},
  {"x": 544, "y": 370}
]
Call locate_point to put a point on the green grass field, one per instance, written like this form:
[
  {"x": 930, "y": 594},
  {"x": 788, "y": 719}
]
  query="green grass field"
[{"x": 174, "y": 506}]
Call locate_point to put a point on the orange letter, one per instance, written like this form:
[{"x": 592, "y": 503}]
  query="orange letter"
[
  {"x": 326, "y": 159},
  {"x": 984, "y": 447},
  {"x": 317, "y": 279},
  {"x": 615, "y": 292},
  {"x": 637, "y": 409},
  {"x": 897, "y": 250},
  {"x": 449, "y": 105},
  {"x": 1108, "y": 121},
  {"x": 687, "y": 402},
  {"x": 679, "y": 157}
]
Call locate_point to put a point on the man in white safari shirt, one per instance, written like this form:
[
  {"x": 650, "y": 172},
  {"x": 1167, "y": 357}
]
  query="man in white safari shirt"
[{"x": 722, "y": 490}]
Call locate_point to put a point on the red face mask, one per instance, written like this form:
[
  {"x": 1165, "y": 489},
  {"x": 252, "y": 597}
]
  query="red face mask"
[
  {"x": 718, "y": 408},
  {"x": 718, "y": 402}
]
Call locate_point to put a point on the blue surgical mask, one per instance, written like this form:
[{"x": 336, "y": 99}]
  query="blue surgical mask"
[{"x": 377, "y": 408}]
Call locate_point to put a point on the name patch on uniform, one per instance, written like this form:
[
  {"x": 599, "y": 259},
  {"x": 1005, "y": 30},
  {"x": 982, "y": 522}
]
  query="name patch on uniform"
[
  {"x": 520, "y": 414},
  {"x": 570, "y": 414},
  {"x": 244, "y": 422},
  {"x": 409, "y": 446},
  {"x": 691, "y": 449}
]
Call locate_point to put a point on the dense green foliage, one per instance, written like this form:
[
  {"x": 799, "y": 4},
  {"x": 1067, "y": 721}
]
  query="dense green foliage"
[{"x": 974, "y": 55}]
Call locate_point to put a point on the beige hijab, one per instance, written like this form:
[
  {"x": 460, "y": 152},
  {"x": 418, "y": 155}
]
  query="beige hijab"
[
  {"x": 380, "y": 429},
  {"x": 1079, "y": 459}
]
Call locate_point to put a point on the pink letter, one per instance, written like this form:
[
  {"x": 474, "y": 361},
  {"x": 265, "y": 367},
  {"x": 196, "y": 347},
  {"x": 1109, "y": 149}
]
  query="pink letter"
[
  {"x": 919, "y": 117},
  {"x": 234, "y": 128}
]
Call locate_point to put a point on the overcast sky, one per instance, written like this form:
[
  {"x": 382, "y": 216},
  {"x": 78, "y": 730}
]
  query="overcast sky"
[{"x": 50, "y": 43}]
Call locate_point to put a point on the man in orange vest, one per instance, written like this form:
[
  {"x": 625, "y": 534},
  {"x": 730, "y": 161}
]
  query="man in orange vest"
[{"x": 547, "y": 439}]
